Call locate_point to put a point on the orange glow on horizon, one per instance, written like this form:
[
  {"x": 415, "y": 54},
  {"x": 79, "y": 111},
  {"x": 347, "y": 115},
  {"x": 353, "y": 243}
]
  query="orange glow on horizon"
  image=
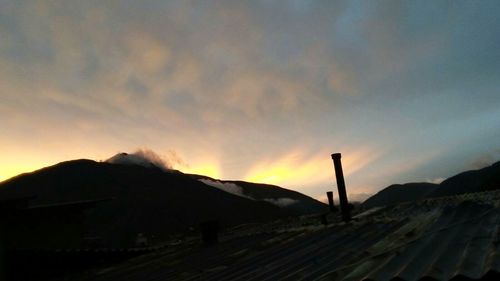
[
  {"x": 290, "y": 170},
  {"x": 272, "y": 175},
  {"x": 16, "y": 169},
  {"x": 300, "y": 169},
  {"x": 205, "y": 169}
]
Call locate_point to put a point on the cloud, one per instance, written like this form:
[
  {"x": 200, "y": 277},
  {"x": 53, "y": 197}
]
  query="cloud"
[
  {"x": 148, "y": 55},
  {"x": 281, "y": 202},
  {"x": 147, "y": 158},
  {"x": 262, "y": 90},
  {"x": 227, "y": 187},
  {"x": 238, "y": 191},
  {"x": 174, "y": 160},
  {"x": 351, "y": 197},
  {"x": 142, "y": 157},
  {"x": 436, "y": 180},
  {"x": 359, "y": 197}
]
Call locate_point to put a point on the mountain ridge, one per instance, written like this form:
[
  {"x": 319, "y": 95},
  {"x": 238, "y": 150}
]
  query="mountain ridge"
[
  {"x": 483, "y": 179},
  {"x": 146, "y": 199}
]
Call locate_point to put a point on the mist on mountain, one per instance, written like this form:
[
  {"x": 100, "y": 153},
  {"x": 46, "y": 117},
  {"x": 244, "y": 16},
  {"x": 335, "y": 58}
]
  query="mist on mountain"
[{"x": 142, "y": 157}]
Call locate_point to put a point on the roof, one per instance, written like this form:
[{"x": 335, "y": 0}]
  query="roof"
[
  {"x": 447, "y": 238},
  {"x": 23, "y": 203},
  {"x": 71, "y": 204},
  {"x": 10, "y": 203}
]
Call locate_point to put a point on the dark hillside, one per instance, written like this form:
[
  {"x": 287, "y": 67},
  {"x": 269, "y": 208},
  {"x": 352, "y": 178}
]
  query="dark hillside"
[
  {"x": 484, "y": 179},
  {"x": 146, "y": 200},
  {"x": 398, "y": 193}
]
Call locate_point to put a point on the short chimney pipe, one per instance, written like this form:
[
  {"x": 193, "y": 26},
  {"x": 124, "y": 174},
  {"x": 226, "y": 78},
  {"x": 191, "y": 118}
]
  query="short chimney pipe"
[
  {"x": 329, "y": 194},
  {"x": 209, "y": 232},
  {"x": 344, "y": 204}
]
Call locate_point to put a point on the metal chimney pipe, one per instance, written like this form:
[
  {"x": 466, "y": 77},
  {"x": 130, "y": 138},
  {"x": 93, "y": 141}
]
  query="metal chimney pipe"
[
  {"x": 329, "y": 194},
  {"x": 344, "y": 204},
  {"x": 209, "y": 232}
]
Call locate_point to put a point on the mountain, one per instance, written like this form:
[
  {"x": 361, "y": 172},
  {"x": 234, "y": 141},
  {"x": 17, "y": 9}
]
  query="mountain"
[
  {"x": 145, "y": 199},
  {"x": 399, "y": 193},
  {"x": 484, "y": 179}
]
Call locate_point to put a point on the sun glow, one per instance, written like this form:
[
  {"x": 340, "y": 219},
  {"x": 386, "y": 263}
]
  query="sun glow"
[
  {"x": 272, "y": 175},
  {"x": 301, "y": 169},
  {"x": 206, "y": 169},
  {"x": 15, "y": 169},
  {"x": 293, "y": 169}
]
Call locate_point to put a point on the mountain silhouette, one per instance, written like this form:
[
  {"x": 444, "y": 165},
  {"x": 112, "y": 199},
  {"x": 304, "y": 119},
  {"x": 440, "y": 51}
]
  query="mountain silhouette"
[
  {"x": 399, "y": 193},
  {"x": 484, "y": 179},
  {"x": 148, "y": 199}
]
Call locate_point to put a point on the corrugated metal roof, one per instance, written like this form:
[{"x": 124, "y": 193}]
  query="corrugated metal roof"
[
  {"x": 440, "y": 239},
  {"x": 78, "y": 204}
]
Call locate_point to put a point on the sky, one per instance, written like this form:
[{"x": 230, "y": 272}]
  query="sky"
[{"x": 256, "y": 90}]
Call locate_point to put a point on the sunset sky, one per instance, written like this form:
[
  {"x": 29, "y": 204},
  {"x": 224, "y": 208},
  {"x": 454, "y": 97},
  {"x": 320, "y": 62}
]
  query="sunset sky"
[{"x": 255, "y": 90}]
